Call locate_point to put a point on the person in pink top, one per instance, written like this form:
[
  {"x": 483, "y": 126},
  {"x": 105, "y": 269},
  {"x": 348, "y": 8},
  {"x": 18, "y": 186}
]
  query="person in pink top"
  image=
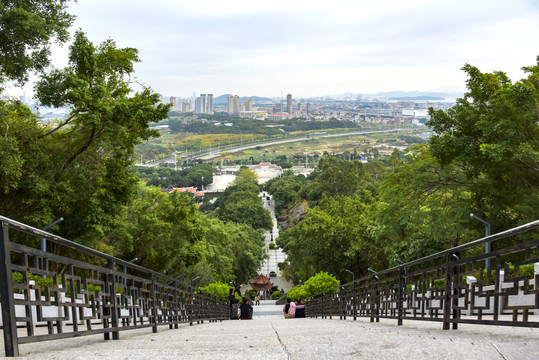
[{"x": 289, "y": 309}]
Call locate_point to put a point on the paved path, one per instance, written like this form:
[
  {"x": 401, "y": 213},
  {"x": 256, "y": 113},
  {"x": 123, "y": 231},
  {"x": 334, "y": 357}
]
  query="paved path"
[{"x": 273, "y": 337}]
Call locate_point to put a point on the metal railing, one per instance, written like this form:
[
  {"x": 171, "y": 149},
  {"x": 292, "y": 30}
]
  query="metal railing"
[
  {"x": 75, "y": 291},
  {"x": 451, "y": 286}
]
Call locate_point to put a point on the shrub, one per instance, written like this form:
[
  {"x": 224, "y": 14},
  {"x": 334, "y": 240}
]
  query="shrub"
[
  {"x": 271, "y": 246},
  {"x": 218, "y": 288},
  {"x": 319, "y": 283},
  {"x": 251, "y": 293},
  {"x": 297, "y": 293},
  {"x": 276, "y": 295}
]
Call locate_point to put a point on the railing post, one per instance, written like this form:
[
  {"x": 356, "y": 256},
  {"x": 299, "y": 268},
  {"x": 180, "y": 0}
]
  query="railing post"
[
  {"x": 113, "y": 302},
  {"x": 154, "y": 304},
  {"x": 456, "y": 311},
  {"x": 402, "y": 289},
  {"x": 372, "y": 299},
  {"x": 191, "y": 305},
  {"x": 447, "y": 294},
  {"x": 11, "y": 343},
  {"x": 354, "y": 297}
]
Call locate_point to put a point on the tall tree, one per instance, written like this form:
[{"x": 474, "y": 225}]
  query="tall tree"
[
  {"x": 26, "y": 29},
  {"x": 77, "y": 168},
  {"x": 492, "y": 133},
  {"x": 241, "y": 203}
]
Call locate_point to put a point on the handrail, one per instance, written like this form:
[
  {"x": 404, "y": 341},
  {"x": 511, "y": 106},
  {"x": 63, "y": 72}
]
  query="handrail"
[
  {"x": 82, "y": 291},
  {"x": 447, "y": 288}
]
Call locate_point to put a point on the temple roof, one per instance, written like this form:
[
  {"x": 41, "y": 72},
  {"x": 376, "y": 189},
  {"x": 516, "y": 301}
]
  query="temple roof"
[{"x": 261, "y": 283}]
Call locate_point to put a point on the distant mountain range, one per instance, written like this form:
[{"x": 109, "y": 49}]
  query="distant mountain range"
[
  {"x": 223, "y": 99},
  {"x": 389, "y": 95},
  {"x": 405, "y": 95}
]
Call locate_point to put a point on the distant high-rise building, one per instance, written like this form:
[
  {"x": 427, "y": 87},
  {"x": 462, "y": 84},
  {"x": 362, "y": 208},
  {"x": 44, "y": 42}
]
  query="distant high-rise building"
[
  {"x": 278, "y": 108},
  {"x": 289, "y": 104},
  {"x": 210, "y": 104},
  {"x": 230, "y": 104},
  {"x": 186, "y": 106},
  {"x": 236, "y": 104},
  {"x": 309, "y": 107},
  {"x": 160, "y": 97},
  {"x": 198, "y": 105},
  {"x": 173, "y": 102},
  {"x": 203, "y": 104},
  {"x": 248, "y": 104},
  {"x": 300, "y": 107}
]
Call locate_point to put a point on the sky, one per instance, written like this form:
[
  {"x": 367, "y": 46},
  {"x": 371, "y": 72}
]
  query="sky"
[{"x": 312, "y": 48}]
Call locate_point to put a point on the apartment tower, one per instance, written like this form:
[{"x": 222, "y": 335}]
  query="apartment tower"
[{"x": 289, "y": 104}]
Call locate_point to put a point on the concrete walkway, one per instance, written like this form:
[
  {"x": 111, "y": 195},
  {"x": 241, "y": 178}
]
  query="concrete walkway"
[{"x": 270, "y": 336}]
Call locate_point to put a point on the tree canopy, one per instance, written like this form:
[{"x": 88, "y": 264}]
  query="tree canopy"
[
  {"x": 26, "y": 29},
  {"x": 483, "y": 158}
]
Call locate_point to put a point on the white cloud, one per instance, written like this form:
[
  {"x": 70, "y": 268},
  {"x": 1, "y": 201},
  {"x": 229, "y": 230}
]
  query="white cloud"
[{"x": 314, "y": 47}]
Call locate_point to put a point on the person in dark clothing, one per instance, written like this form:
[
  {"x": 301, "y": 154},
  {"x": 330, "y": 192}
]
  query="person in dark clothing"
[
  {"x": 246, "y": 310},
  {"x": 300, "y": 309},
  {"x": 231, "y": 300}
]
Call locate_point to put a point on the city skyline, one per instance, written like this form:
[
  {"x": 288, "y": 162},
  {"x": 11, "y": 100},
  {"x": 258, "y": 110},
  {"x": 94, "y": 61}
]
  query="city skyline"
[{"x": 312, "y": 48}]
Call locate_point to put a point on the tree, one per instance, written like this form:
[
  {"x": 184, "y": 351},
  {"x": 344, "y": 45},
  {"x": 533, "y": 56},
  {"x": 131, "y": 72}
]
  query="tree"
[
  {"x": 77, "y": 168},
  {"x": 284, "y": 189},
  {"x": 333, "y": 177},
  {"x": 492, "y": 133},
  {"x": 319, "y": 283},
  {"x": 240, "y": 202},
  {"x": 337, "y": 234},
  {"x": 26, "y": 27},
  {"x": 423, "y": 207}
]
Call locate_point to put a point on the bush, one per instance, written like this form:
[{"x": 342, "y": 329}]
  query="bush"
[
  {"x": 319, "y": 283},
  {"x": 252, "y": 293},
  {"x": 218, "y": 288},
  {"x": 276, "y": 295},
  {"x": 271, "y": 246},
  {"x": 297, "y": 293}
]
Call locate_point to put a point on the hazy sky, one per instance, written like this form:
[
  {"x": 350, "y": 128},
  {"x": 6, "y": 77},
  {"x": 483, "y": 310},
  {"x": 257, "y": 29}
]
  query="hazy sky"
[{"x": 311, "y": 47}]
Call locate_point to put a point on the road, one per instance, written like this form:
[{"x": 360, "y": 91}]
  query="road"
[
  {"x": 212, "y": 154},
  {"x": 277, "y": 255}
]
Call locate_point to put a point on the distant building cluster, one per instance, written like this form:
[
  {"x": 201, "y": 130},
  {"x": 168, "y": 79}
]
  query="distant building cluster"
[{"x": 202, "y": 104}]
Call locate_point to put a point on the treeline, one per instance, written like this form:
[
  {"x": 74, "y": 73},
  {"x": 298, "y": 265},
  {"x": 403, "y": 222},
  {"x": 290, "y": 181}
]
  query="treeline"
[
  {"x": 483, "y": 158},
  {"x": 240, "y": 126},
  {"x": 81, "y": 168},
  {"x": 198, "y": 176}
]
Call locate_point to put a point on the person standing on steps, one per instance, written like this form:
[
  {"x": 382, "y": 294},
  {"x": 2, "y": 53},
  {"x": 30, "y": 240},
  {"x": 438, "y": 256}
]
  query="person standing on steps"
[{"x": 231, "y": 300}]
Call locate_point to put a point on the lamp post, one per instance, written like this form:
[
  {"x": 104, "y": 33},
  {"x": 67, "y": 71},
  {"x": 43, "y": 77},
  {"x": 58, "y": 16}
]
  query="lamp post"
[
  {"x": 374, "y": 272},
  {"x": 487, "y": 234},
  {"x": 44, "y": 241},
  {"x": 353, "y": 291}
]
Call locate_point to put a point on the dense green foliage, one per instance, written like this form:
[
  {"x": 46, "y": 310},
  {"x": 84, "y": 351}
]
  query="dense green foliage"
[
  {"x": 314, "y": 285},
  {"x": 240, "y": 202},
  {"x": 81, "y": 167},
  {"x": 198, "y": 176},
  {"x": 483, "y": 158},
  {"x": 241, "y": 126},
  {"x": 77, "y": 168},
  {"x": 26, "y": 28},
  {"x": 218, "y": 288}
]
